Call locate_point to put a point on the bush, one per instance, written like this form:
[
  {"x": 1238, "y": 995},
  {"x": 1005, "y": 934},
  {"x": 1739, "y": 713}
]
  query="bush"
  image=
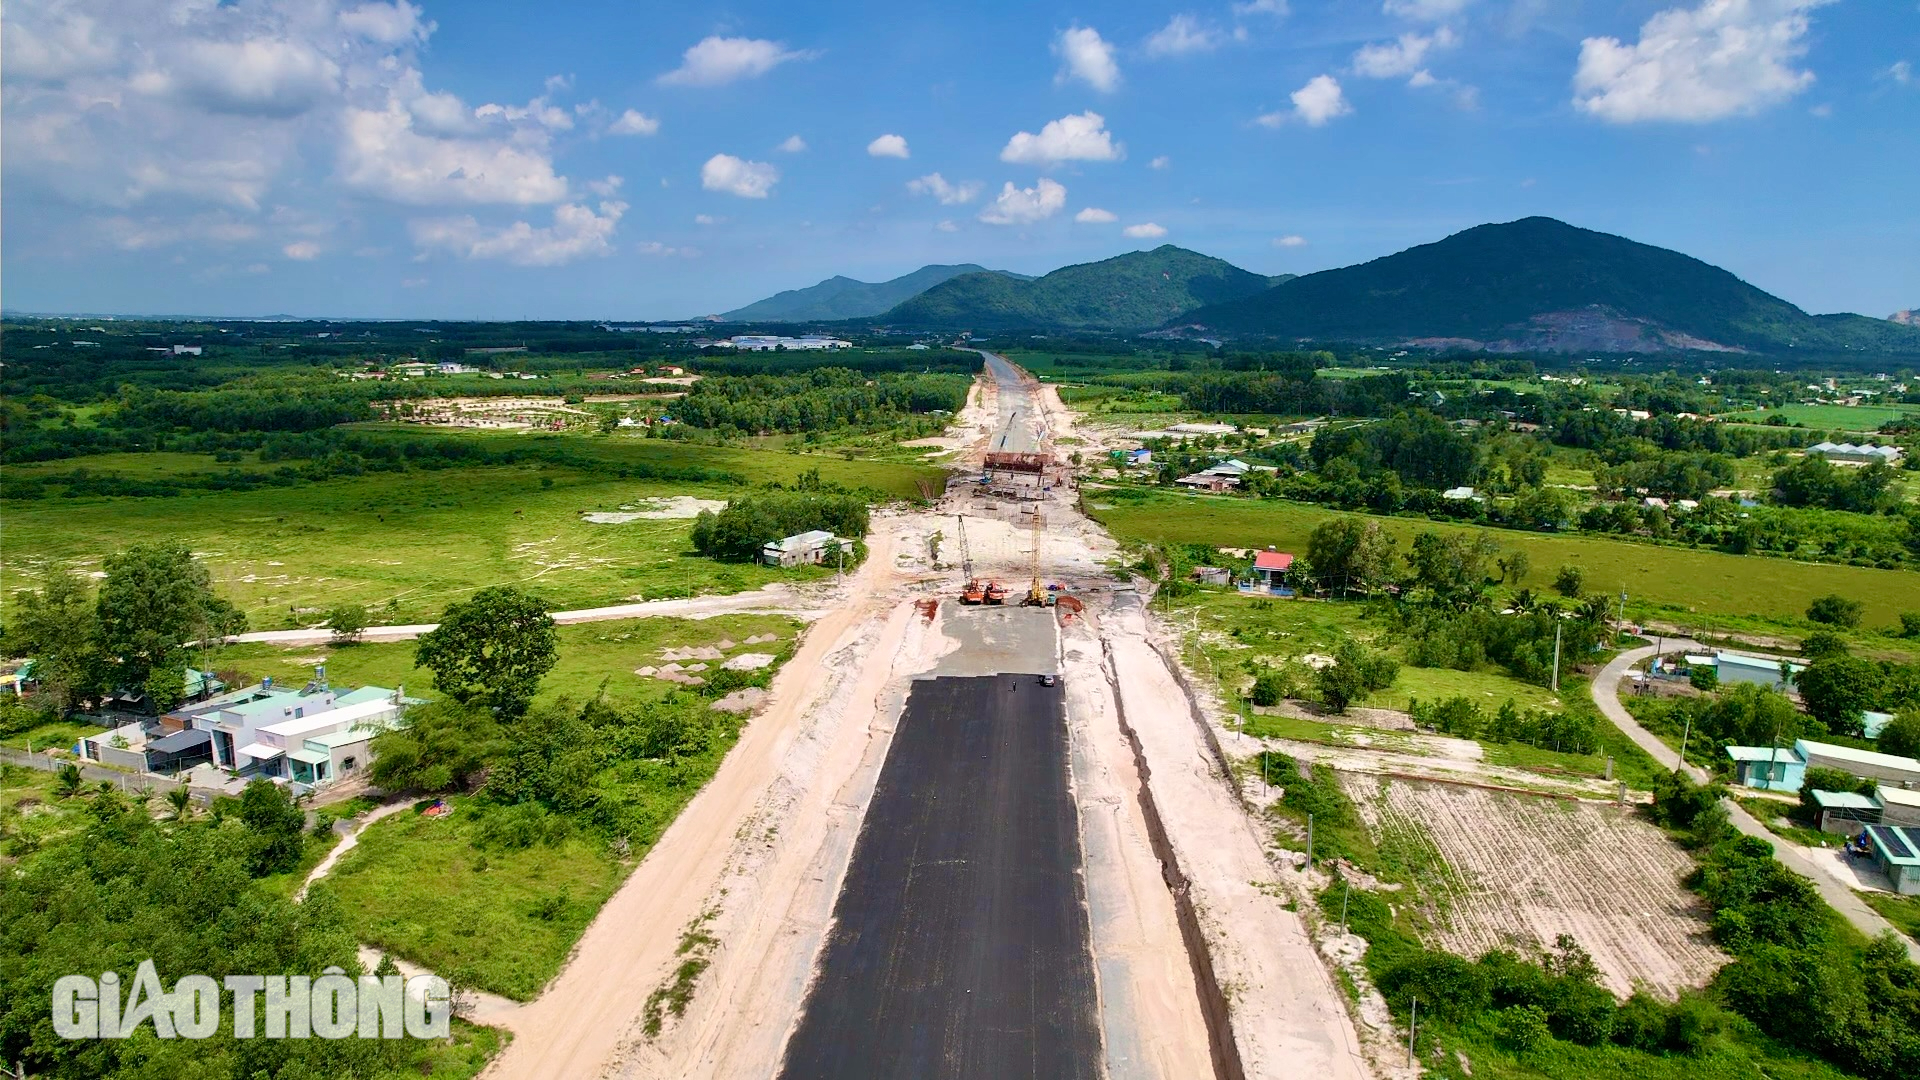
[
  {"x": 1523, "y": 1029},
  {"x": 1570, "y": 581},
  {"x": 1268, "y": 688},
  {"x": 1835, "y": 611},
  {"x": 1704, "y": 678}
]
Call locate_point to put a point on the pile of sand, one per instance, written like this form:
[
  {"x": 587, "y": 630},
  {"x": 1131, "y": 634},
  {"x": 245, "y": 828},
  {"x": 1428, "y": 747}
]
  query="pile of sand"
[{"x": 752, "y": 661}]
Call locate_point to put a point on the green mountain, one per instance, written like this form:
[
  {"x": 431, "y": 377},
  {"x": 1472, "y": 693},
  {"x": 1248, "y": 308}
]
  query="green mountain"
[
  {"x": 1135, "y": 291},
  {"x": 844, "y": 298},
  {"x": 1541, "y": 284}
]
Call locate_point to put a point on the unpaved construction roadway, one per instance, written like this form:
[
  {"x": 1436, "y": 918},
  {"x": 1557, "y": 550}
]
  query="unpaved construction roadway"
[{"x": 960, "y": 942}]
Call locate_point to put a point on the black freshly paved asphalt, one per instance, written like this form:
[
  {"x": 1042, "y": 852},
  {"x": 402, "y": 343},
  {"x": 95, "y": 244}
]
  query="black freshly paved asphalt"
[{"x": 960, "y": 942}]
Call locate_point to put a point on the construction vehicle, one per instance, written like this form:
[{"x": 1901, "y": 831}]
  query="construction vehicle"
[
  {"x": 1036, "y": 596},
  {"x": 996, "y": 593},
  {"x": 975, "y": 591}
]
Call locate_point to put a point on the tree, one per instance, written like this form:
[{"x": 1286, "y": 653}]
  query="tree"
[
  {"x": 348, "y": 622},
  {"x": 57, "y": 627},
  {"x": 1571, "y": 581},
  {"x": 157, "y": 597},
  {"x": 491, "y": 650},
  {"x": 1704, "y": 678},
  {"x": 1909, "y": 624},
  {"x": 1902, "y": 735},
  {"x": 67, "y": 780},
  {"x": 1514, "y": 566},
  {"x": 1837, "y": 689},
  {"x": 277, "y": 826},
  {"x": 181, "y": 800},
  {"x": 1354, "y": 673},
  {"x": 1823, "y": 643},
  {"x": 1453, "y": 566},
  {"x": 1268, "y": 688},
  {"x": 442, "y": 747},
  {"x": 1835, "y": 611},
  {"x": 1349, "y": 552}
]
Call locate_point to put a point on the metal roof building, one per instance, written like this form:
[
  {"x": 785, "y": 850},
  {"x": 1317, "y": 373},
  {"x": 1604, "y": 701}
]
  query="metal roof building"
[{"x": 1897, "y": 849}]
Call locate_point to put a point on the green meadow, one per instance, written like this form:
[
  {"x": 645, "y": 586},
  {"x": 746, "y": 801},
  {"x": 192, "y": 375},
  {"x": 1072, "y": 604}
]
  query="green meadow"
[
  {"x": 1857, "y": 418},
  {"x": 408, "y": 544},
  {"x": 1672, "y": 582}
]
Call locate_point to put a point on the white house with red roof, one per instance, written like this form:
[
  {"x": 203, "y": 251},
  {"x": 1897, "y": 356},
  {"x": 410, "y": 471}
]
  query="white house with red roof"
[{"x": 1272, "y": 565}]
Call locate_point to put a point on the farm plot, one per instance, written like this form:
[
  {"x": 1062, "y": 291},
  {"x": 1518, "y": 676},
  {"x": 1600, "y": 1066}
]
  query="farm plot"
[{"x": 1519, "y": 871}]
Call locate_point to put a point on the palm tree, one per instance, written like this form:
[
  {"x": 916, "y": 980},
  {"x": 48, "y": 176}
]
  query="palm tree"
[
  {"x": 181, "y": 799},
  {"x": 67, "y": 780}
]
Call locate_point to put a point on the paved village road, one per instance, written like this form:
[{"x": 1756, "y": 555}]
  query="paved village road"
[{"x": 1606, "y": 694}]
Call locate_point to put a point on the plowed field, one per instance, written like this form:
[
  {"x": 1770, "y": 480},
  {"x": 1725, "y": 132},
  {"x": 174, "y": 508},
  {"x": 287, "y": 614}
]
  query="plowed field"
[{"x": 1520, "y": 870}]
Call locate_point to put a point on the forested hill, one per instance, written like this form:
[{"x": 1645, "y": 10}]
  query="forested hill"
[
  {"x": 845, "y": 298},
  {"x": 1538, "y": 283},
  {"x": 1135, "y": 291}
]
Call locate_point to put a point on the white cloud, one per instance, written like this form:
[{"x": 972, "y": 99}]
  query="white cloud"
[
  {"x": 577, "y": 232},
  {"x": 1085, "y": 56},
  {"x": 888, "y": 146},
  {"x": 747, "y": 179},
  {"x": 1425, "y": 10},
  {"x": 1393, "y": 59},
  {"x": 1079, "y": 137},
  {"x": 1316, "y": 103},
  {"x": 948, "y": 194},
  {"x": 1024, "y": 206},
  {"x": 716, "y": 61},
  {"x": 301, "y": 250},
  {"x": 1723, "y": 58},
  {"x": 947, "y": 226},
  {"x": 707, "y": 219},
  {"x": 254, "y": 77},
  {"x": 1289, "y": 241},
  {"x": 664, "y": 251},
  {"x": 634, "y": 122},
  {"x": 1093, "y": 215},
  {"x": 1182, "y": 36},
  {"x": 1146, "y": 230},
  {"x": 1901, "y": 72},
  {"x": 605, "y": 188},
  {"x": 1161, "y": 162},
  {"x": 388, "y": 24},
  {"x": 793, "y": 144},
  {"x": 383, "y": 155},
  {"x": 1275, "y": 8}
]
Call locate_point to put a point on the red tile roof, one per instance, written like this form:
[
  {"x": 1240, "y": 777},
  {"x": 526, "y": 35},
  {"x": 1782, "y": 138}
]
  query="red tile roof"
[{"x": 1272, "y": 560}]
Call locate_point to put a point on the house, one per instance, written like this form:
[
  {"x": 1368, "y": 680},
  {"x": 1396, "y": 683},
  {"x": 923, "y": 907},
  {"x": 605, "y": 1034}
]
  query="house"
[
  {"x": 1735, "y": 668},
  {"x": 1898, "y": 806},
  {"x": 1873, "y": 723},
  {"x": 1212, "y": 575},
  {"x": 1845, "y": 813},
  {"x": 1271, "y": 566},
  {"x": 1892, "y": 769},
  {"x": 17, "y": 675},
  {"x": 1461, "y": 494},
  {"x": 1141, "y": 456},
  {"x": 1209, "y": 481},
  {"x": 802, "y": 549},
  {"x": 1896, "y": 848},
  {"x": 321, "y": 748},
  {"x": 1770, "y": 768},
  {"x": 147, "y": 748},
  {"x": 1850, "y": 454}
]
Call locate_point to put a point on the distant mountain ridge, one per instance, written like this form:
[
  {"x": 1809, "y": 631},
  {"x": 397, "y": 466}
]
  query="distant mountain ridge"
[
  {"x": 844, "y": 298},
  {"x": 1135, "y": 291},
  {"x": 1541, "y": 284}
]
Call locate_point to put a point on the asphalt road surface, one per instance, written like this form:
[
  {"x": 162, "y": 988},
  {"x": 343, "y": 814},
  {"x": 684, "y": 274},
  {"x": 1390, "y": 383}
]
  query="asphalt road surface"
[{"x": 960, "y": 940}]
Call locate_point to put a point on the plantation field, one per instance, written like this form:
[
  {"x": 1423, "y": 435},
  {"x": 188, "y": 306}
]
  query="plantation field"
[
  {"x": 407, "y": 544},
  {"x": 1665, "y": 582},
  {"x": 1855, "y": 418},
  {"x": 1522, "y": 870},
  {"x": 591, "y": 654}
]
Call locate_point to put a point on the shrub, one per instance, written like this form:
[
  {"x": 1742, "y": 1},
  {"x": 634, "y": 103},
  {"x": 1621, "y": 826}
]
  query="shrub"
[
  {"x": 1835, "y": 610},
  {"x": 1523, "y": 1029}
]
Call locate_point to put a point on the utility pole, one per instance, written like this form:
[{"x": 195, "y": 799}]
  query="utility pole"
[
  {"x": 1413, "y": 1024},
  {"x": 1309, "y": 841},
  {"x": 1344, "y": 897},
  {"x": 1684, "y": 734}
]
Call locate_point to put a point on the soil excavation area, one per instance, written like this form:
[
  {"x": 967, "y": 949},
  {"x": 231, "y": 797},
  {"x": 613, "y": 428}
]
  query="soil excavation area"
[{"x": 960, "y": 941}]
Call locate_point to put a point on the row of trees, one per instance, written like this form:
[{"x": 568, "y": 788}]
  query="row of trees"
[
  {"x": 749, "y": 523},
  {"x": 817, "y": 400}
]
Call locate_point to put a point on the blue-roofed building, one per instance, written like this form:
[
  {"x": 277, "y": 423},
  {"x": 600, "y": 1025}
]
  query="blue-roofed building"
[
  {"x": 1769, "y": 768},
  {"x": 1897, "y": 849},
  {"x": 1756, "y": 670},
  {"x": 1873, "y": 723}
]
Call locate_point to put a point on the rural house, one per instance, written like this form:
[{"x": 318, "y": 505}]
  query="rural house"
[
  {"x": 803, "y": 549},
  {"x": 1897, "y": 849},
  {"x": 1271, "y": 567},
  {"x": 1769, "y": 768},
  {"x": 1735, "y": 668}
]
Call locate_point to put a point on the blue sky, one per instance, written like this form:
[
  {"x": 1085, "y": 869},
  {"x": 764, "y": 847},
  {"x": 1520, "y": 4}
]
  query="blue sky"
[{"x": 616, "y": 160}]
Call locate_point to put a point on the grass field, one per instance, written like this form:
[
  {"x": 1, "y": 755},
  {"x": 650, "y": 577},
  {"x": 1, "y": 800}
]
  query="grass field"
[
  {"x": 1668, "y": 582},
  {"x": 499, "y": 920},
  {"x": 1857, "y": 418},
  {"x": 407, "y": 544},
  {"x": 591, "y": 654}
]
